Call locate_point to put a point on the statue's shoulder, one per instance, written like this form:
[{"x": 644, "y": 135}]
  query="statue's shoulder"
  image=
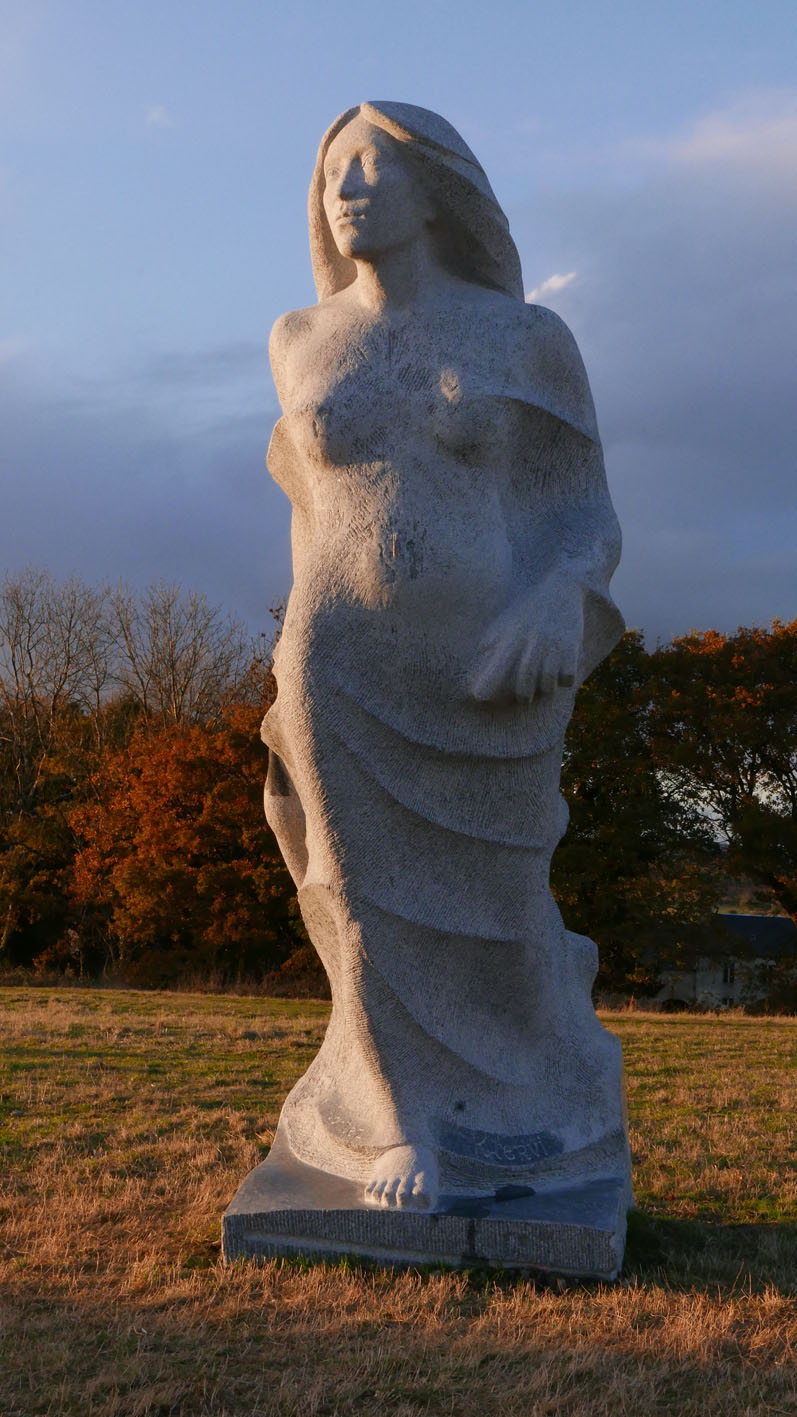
[
  {"x": 547, "y": 335},
  {"x": 293, "y": 332},
  {"x": 289, "y": 334},
  {"x": 291, "y": 328},
  {"x": 533, "y": 331},
  {"x": 547, "y": 358},
  {"x": 552, "y": 354}
]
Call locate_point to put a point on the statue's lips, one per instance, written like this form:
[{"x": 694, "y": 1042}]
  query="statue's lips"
[{"x": 350, "y": 216}]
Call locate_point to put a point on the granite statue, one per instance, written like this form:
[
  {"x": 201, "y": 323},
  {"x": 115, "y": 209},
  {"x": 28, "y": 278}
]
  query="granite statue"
[{"x": 453, "y": 541}]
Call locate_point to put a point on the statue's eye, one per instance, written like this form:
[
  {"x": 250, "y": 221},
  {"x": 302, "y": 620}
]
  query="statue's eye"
[{"x": 330, "y": 172}]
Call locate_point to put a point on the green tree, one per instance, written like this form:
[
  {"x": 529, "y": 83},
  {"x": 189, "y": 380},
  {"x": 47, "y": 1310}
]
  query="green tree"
[
  {"x": 724, "y": 734},
  {"x": 635, "y": 870}
]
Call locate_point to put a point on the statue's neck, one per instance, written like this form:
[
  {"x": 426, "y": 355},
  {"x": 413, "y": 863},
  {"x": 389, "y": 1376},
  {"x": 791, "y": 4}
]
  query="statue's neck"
[{"x": 398, "y": 278}]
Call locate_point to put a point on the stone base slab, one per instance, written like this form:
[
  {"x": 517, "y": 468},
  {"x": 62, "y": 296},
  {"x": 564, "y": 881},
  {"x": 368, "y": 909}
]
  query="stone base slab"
[{"x": 284, "y": 1208}]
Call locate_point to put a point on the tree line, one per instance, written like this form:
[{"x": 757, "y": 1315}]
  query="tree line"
[{"x": 132, "y": 835}]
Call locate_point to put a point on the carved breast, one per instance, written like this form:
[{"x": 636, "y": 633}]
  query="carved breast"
[{"x": 376, "y": 420}]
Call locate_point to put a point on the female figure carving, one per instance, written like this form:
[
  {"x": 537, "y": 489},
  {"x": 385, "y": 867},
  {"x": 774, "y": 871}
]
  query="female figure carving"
[{"x": 453, "y": 541}]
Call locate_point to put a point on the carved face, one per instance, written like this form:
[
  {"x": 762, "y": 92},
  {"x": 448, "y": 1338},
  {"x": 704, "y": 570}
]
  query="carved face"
[{"x": 373, "y": 198}]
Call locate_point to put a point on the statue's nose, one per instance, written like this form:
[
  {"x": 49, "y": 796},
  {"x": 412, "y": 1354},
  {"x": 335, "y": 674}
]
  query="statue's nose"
[{"x": 351, "y": 183}]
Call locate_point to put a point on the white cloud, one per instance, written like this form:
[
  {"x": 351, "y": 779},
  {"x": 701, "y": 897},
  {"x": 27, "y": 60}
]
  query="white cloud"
[
  {"x": 758, "y": 126},
  {"x": 550, "y": 286},
  {"x": 157, "y": 116}
]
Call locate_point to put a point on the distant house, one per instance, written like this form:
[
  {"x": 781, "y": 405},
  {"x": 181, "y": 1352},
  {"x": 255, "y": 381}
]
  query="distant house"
[{"x": 753, "y": 960}]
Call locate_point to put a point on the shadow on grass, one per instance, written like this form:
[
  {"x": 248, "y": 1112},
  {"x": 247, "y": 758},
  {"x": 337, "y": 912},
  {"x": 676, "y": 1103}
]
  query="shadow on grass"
[{"x": 697, "y": 1254}]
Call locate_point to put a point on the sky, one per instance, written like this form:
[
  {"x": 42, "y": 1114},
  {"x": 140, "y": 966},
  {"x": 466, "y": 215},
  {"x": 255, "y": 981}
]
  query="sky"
[{"x": 154, "y": 163}]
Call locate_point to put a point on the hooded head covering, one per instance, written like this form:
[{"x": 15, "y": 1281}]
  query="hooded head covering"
[{"x": 474, "y": 233}]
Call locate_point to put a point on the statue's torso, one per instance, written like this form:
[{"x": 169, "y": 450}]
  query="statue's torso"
[
  {"x": 396, "y": 448},
  {"x": 422, "y": 456}
]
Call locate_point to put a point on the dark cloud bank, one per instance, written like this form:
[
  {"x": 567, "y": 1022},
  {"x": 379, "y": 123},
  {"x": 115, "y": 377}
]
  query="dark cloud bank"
[{"x": 159, "y": 477}]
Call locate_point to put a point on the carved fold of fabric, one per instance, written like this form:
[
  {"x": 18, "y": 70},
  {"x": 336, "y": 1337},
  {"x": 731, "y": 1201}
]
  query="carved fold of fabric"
[
  {"x": 487, "y": 797},
  {"x": 439, "y": 1043}
]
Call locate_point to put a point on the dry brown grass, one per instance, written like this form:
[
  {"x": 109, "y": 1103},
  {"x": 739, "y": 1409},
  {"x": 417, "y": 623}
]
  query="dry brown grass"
[{"x": 129, "y": 1119}]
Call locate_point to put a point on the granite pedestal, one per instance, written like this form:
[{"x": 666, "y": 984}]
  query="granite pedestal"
[{"x": 286, "y": 1208}]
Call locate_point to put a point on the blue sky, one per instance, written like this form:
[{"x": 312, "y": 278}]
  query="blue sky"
[{"x": 154, "y": 165}]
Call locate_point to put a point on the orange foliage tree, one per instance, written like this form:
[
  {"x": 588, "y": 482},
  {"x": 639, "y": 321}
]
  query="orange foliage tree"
[{"x": 175, "y": 864}]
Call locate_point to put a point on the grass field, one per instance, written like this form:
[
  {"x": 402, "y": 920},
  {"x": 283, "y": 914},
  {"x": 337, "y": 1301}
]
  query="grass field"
[{"x": 128, "y": 1119}]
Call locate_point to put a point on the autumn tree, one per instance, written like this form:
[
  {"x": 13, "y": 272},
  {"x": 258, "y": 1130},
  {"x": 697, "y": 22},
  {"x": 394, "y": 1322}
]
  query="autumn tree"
[
  {"x": 176, "y": 866},
  {"x": 635, "y": 871},
  {"x": 82, "y": 669},
  {"x": 56, "y": 657},
  {"x": 724, "y": 733}
]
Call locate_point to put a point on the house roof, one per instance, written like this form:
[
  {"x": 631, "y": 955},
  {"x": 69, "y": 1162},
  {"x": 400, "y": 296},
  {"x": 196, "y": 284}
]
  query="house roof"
[{"x": 767, "y": 936}]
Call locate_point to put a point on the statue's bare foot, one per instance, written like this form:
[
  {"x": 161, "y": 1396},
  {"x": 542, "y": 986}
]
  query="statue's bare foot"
[{"x": 404, "y": 1178}]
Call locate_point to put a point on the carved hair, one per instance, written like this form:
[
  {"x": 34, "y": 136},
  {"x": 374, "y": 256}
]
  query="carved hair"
[{"x": 474, "y": 238}]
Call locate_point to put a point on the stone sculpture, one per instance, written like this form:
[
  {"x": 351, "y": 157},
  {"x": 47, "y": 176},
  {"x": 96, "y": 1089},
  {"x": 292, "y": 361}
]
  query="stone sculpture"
[{"x": 453, "y": 541}]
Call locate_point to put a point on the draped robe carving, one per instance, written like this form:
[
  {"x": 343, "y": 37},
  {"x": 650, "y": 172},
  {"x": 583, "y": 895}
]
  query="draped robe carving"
[{"x": 446, "y": 478}]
